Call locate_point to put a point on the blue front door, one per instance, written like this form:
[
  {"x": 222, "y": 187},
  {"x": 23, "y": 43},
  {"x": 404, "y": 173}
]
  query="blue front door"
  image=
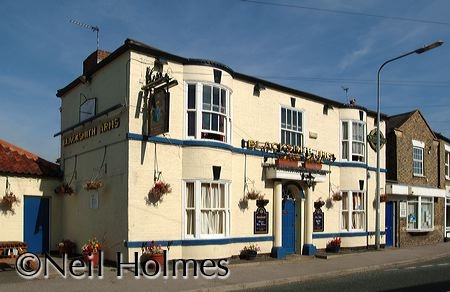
[
  {"x": 36, "y": 224},
  {"x": 389, "y": 223},
  {"x": 288, "y": 221}
]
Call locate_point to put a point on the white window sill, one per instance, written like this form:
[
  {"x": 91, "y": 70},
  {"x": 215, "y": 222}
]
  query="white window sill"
[
  {"x": 419, "y": 230},
  {"x": 418, "y": 175},
  {"x": 447, "y": 177}
]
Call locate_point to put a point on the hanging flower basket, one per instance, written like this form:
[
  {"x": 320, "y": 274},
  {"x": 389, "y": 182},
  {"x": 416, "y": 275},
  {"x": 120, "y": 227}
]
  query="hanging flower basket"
[
  {"x": 253, "y": 195},
  {"x": 93, "y": 184},
  {"x": 8, "y": 200},
  {"x": 158, "y": 190},
  {"x": 64, "y": 189},
  {"x": 337, "y": 196}
]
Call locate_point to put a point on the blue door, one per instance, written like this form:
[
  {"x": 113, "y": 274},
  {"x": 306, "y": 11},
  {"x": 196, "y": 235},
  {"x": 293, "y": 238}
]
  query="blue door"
[
  {"x": 389, "y": 223},
  {"x": 36, "y": 224},
  {"x": 288, "y": 222}
]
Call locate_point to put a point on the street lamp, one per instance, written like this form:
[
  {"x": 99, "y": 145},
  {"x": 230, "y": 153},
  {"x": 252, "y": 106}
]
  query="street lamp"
[{"x": 377, "y": 215}]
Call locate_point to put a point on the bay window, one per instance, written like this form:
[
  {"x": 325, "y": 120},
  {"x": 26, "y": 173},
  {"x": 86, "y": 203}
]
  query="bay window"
[
  {"x": 353, "y": 140},
  {"x": 353, "y": 211},
  {"x": 420, "y": 214},
  {"x": 208, "y": 112},
  {"x": 206, "y": 209}
]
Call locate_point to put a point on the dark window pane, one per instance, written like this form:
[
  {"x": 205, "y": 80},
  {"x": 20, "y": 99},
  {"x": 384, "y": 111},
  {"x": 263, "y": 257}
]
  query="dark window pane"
[
  {"x": 215, "y": 122},
  {"x": 191, "y": 96},
  {"x": 215, "y": 99},
  {"x": 283, "y": 140},
  {"x": 294, "y": 122},
  {"x": 223, "y": 101},
  {"x": 206, "y": 124},
  {"x": 288, "y": 119},
  {"x": 283, "y": 118},
  {"x": 221, "y": 124},
  {"x": 191, "y": 123},
  {"x": 299, "y": 120},
  {"x": 206, "y": 97}
]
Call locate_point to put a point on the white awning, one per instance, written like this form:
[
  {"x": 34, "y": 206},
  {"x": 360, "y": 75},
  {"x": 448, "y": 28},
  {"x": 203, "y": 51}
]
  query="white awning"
[{"x": 406, "y": 190}]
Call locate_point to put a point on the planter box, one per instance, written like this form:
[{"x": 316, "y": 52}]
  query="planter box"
[
  {"x": 333, "y": 248},
  {"x": 286, "y": 163},
  {"x": 93, "y": 257},
  {"x": 312, "y": 165},
  {"x": 248, "y": 255},
  {"x": 155, "y": 258}
]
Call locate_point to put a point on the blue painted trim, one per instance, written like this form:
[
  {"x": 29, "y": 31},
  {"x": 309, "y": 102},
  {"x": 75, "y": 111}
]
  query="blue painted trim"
[
  {"x": 344, "y": 234},
  {"x": 309, "y": 249},
  {"x": 197, "y": 242},
  {"x": 220, "y": 145}
]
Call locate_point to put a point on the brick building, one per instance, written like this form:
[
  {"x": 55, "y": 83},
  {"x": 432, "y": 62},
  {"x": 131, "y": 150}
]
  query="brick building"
[{"x": 415, "y": 207}]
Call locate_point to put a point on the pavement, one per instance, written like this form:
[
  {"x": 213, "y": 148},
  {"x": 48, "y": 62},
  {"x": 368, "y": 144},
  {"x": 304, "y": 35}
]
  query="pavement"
[{"x": 242, "y": 275}]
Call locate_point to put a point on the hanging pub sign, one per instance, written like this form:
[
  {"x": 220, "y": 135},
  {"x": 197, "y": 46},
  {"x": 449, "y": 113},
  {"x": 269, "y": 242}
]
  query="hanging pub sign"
[
  {"x": 372, "y": 139},
  {"x": 261, "y": 221},
  {"x": 293, "y": 151},
  {"x": 158, "y": 118},
  {"x": 318, "y": 220}
]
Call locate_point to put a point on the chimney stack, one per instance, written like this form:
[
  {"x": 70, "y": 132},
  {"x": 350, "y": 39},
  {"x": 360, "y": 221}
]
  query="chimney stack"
[{"x": 92, "y": 60}]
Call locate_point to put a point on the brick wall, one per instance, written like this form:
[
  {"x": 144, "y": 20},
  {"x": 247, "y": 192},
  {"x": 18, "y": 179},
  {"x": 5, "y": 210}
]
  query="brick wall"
[{"x": 415, "y": 128}]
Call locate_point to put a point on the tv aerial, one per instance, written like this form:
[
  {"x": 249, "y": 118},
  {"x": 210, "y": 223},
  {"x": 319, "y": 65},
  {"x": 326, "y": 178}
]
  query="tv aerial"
[
  {"x": 346, "y": 92},
  {"x": 93, "y": 28}
]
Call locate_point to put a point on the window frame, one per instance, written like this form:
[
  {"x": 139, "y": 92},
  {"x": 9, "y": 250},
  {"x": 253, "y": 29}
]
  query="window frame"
[
  {"x": 295, "y": 132},
  {"x": 418, "y": 200},
  {"x": 197, "y": 233},
  {"x": 351, "y": 210},
  {"x": 447, "y": 163},
  {"x": 350, "y": 141},
  {"x": 198, "y": 111},
  {"x": 421, "y": 162}
]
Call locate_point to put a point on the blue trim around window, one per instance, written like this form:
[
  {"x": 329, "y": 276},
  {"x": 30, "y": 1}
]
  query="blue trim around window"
[
  {"x": 196, "y": 242},
  {"x": 344, "y": 234},
  {"x": 220, "y": 145}
]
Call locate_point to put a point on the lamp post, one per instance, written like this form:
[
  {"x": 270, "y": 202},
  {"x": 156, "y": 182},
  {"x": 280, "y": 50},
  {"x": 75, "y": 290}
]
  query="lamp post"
[{"x": 377, "y": 215}]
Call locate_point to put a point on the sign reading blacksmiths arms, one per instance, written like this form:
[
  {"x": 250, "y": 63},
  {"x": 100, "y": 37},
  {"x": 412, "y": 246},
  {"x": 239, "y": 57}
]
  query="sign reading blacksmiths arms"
[
  {"x": 301, "y": 152},
  {"x": 103, "y": 127},
  {"x": 261, "y": 221}
]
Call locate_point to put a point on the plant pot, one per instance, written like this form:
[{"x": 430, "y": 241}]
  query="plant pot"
[
  {"x": 65, "y": 250},
  {"x": 312, "y": 165},
  {"x": 91, "y": 257},
  {"x": 333, "y": 248},
  {"x": 248, "y": 255},
  {"x": 262, "y": 202},
  {"x": 156, "y": 258},
  {"x": 286, "y": 163}
]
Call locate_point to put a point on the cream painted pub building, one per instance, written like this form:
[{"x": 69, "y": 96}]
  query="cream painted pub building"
[{"x": 140, "y": 116}]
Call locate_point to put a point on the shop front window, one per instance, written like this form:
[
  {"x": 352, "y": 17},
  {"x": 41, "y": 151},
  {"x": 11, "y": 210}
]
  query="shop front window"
[{"x": 420, "y": 214}]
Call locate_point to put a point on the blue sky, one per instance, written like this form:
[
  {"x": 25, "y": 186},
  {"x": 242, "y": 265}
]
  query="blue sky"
[{"x": 316, "y": 46}]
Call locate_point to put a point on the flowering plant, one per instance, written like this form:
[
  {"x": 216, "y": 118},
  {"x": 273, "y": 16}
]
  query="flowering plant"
[
  {"x": 92, "y": 246},
  {"x": 153, "y": 248},
  {"x": 93, "y": 184},
  {"x": 337, "y": 196},
  {"x": 8, "y": 200},
  {"x": 158, "y": 190},
  {"x": 253, "y": 195},
  {"x": 335, "y": 242},
  {"x": 251, "y": 247},
  {"x": 64, "y": 188},
  {"x": 66, "y": 243}
]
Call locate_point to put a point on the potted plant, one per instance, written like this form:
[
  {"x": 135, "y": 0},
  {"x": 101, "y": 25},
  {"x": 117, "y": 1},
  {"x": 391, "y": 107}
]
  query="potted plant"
[
  {"x": 158, "y": 190},
  {"x": 337, "y": 196},
  {"x": 334, "y": 245},
  {"x": 152, "y": 252},
  {"x": 261, "y": 202},
  {"x": 66, "y": 246},
  {"x": 287, "y": 161},
  {"x": 91, "y": 250},
  {"x": 93, "y": 184},
  {"x": 8, "y": 200},
  {"x": 253, "y": 195},
  {"x": 64, "y": 189},
  {"x": 249, "y": 252},
  {"x": 313, "y": 165}
]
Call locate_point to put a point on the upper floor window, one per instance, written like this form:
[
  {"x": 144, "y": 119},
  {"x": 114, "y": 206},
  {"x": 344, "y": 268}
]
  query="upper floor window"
[
  {"x": 88, "y": 109},
  {"x": 447, "y": 164},
  {"x": 353, "y": 141},
  {"x": 207, "y": 209},
  {"x": 418, "y": 157},
  {"x": 420, "y": 214},
  {"x": 208, "y": 112},
  {"x": 291, "y": 127},
  {"x": 353, "y": 211}
]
